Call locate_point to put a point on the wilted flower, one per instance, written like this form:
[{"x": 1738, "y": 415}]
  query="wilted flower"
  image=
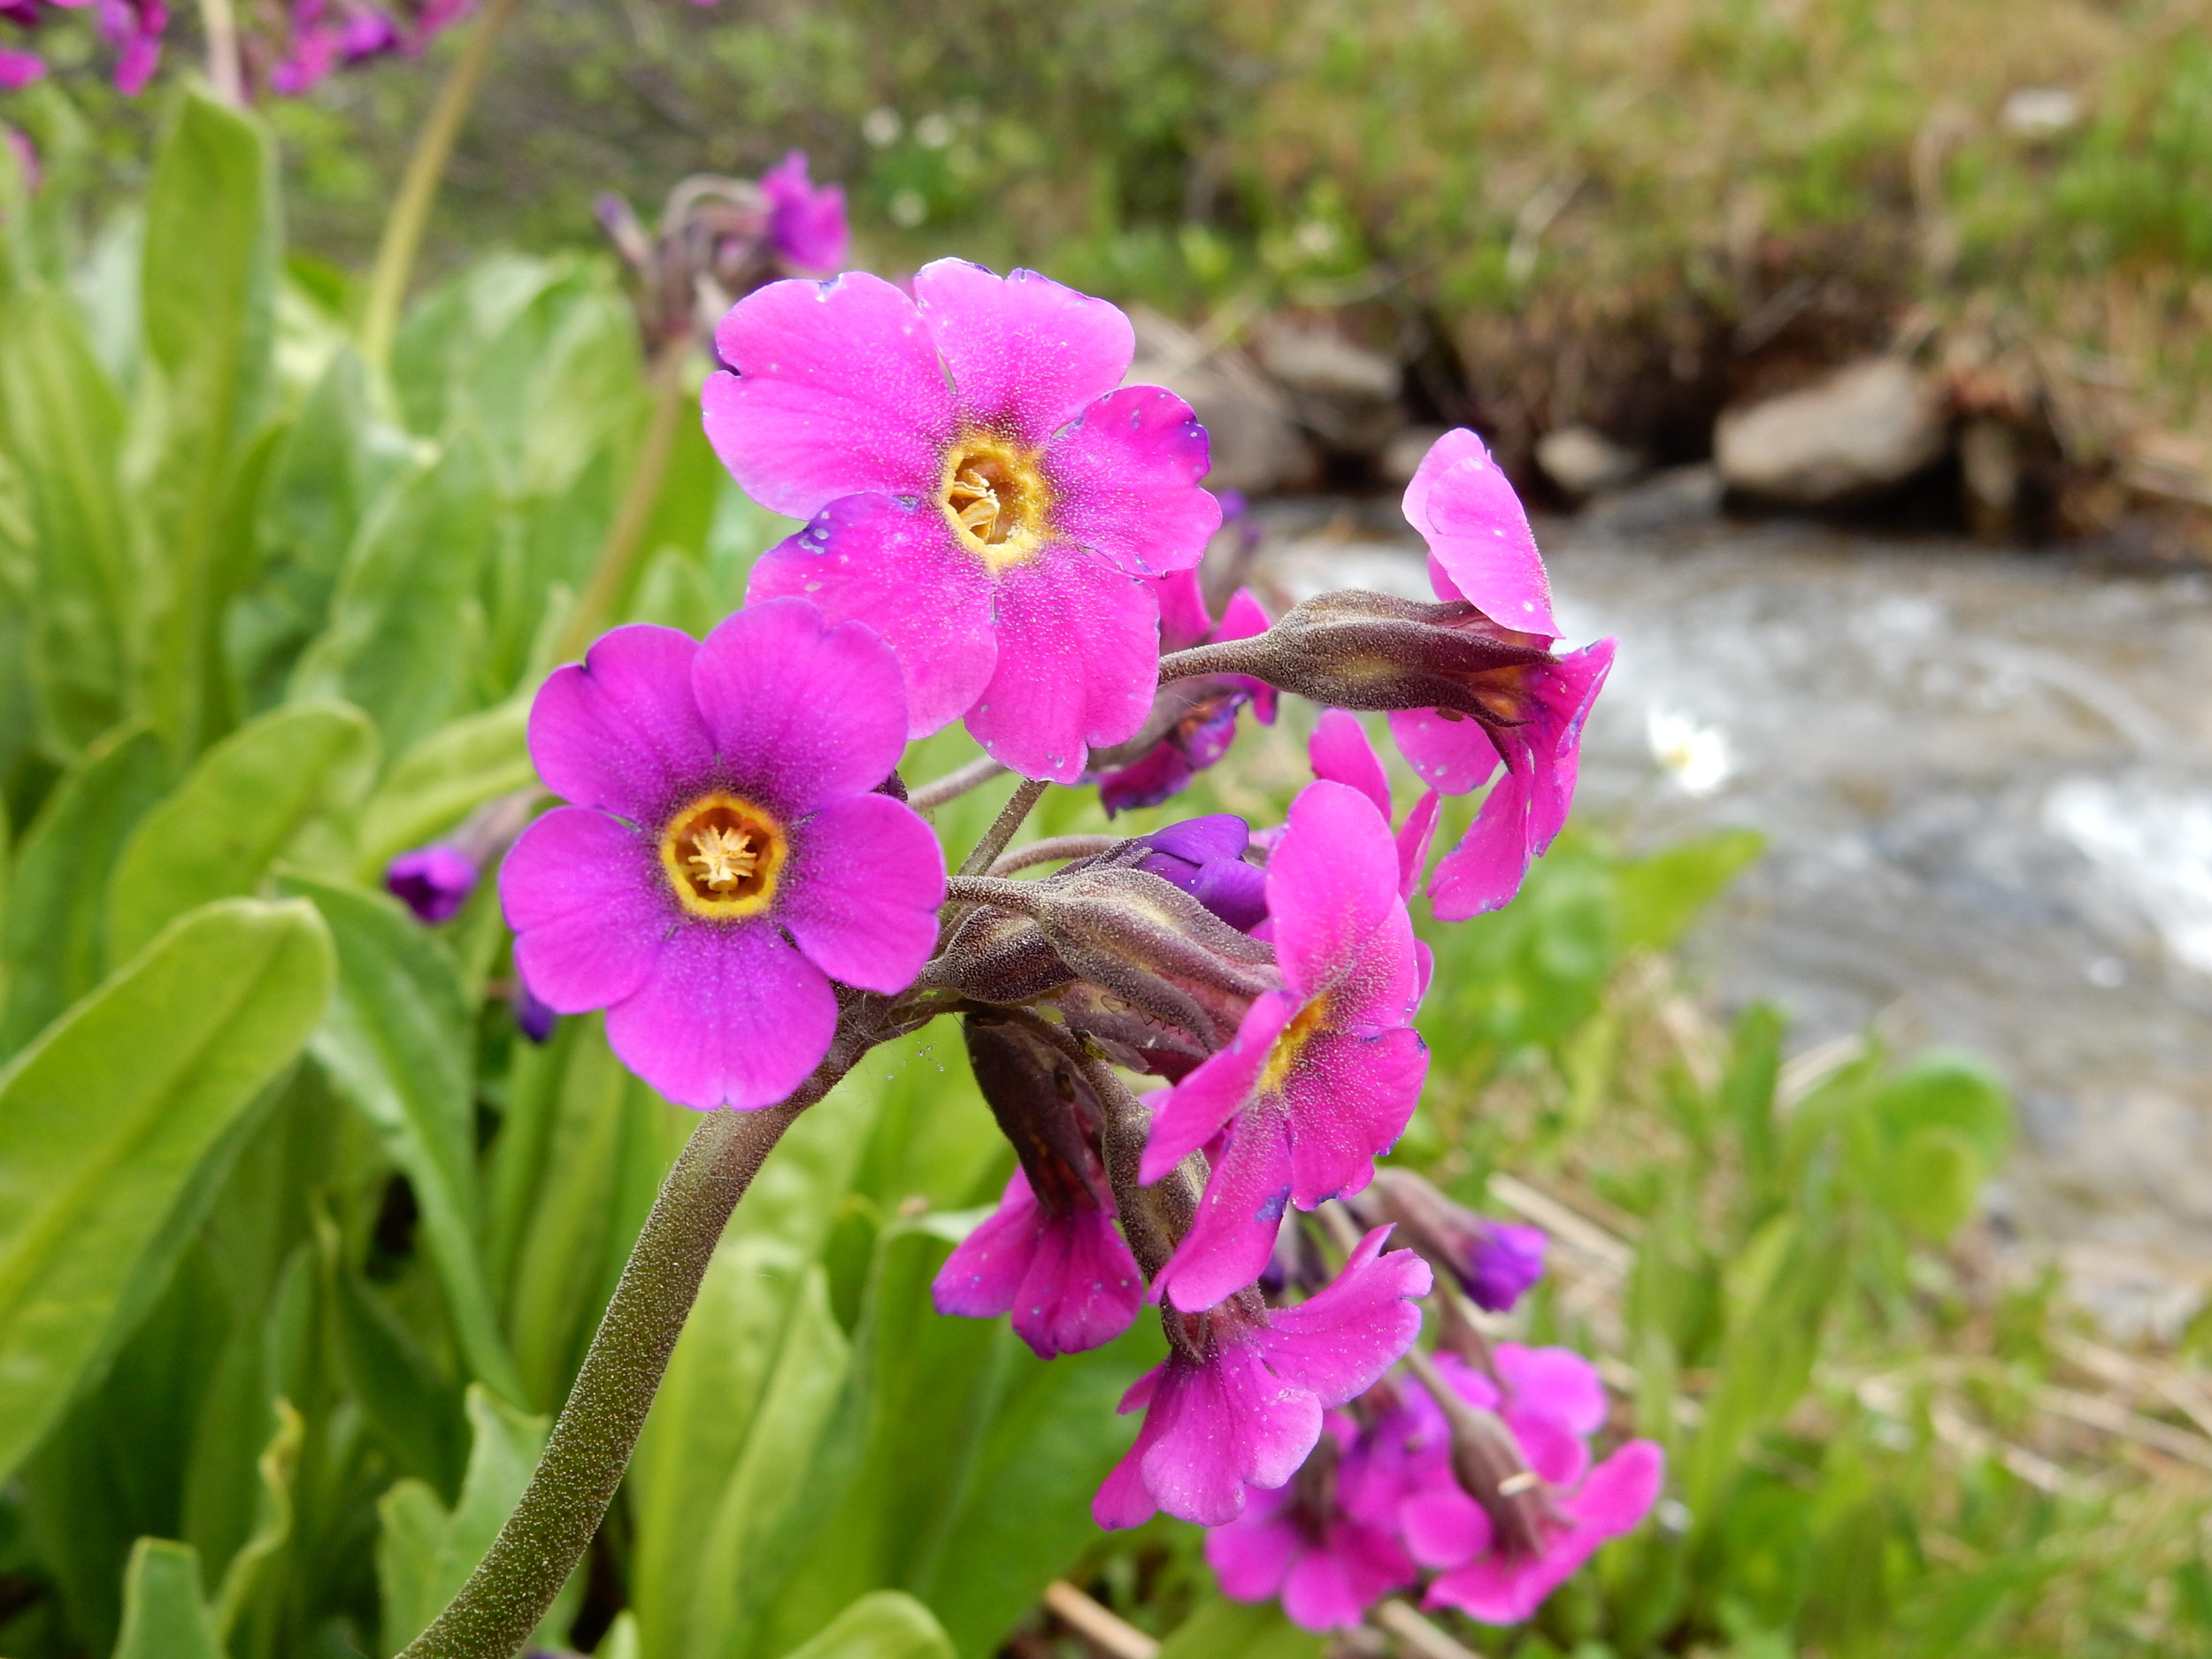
[
  {"x": 1323, "y": 1074},
  {"x": 1203, "y": 710},
  {"x": 726, "y": 857},
  {"x": 1238, "y": 1403},
  {"x": 983, "y": 492},
  {"x": 806, "y": 222}
]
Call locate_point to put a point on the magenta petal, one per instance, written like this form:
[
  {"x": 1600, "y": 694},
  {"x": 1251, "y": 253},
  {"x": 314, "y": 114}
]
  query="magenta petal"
[
  {"x": 1239, "y": 1214},
  {"x": 1078, "y": 653},
  {"x": 584, "y": 893},
  {"x": 1234, "y": 1425},
  {"x": 731, "y": 1015},
  {"x": 837, "y": 391},
  {"x": 1083, "y": 1287},
  {"x": 1554, "y": 1451},
  {"x": 1349, "y": 1100},
  {"x": 1253, "y": 1554},
  {"x": 1443, "y": 1527},
  {"x": 1124, "y": 481},
  {"x": 895, "y": 565},
  {"x": 1413, "y": 836},
  {"x": 1183, "y": 619},
  {"x": 861, "y": 893},
  {"x": 1452, "y": 756},
  {"x": 1574, "y": 681},
  {"x": 1556, "y": 1381},
  {"x": 983, "y": 1276},
  {"x": 622, "y": 731},
  {"x": 1194, "y": 1110},
  {"x": 1486, "y": 870},
  {"x": 803, "y": 714},
  {"x": 1341, "y": 753},
  {"x": 1620, "y": 1491},
  {"x": 1243, "y": 619},
  {"x": 1336, "y": 1343},
  {"x": 1331, "y": 884},
  {"x": 1332, "y": 1585},
  {"x": 1467, "y": 512},
  {"x": 1025, "y": 353},
  {"x": 1124, "y": 1498}
]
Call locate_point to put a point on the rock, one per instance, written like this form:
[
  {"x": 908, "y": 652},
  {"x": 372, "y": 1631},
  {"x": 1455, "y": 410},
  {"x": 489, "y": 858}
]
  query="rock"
[
  {"x": 1859, "y": 431},
  {"x": 1582, "y": 461},
  {"x": 1256, "y": 445},
  {"x": 1674, "y": 499},
  {"x": 1402, "y": 457},
  {"x": 1344, "y": 394},
  {"x": 1989, "y": 477}
]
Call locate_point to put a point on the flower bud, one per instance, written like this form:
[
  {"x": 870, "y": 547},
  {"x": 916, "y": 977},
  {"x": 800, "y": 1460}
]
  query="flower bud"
[
  {"x": 1487, "y": 1461},
  {"x": 1355, "y": 649},
  {"x": 1494, "y": 1262}
]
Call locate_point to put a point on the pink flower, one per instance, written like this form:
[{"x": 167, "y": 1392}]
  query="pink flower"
[
  {"x": 1482, "y": 551},
  {"x": 1298, "y": 1543},
  {"x": 1552, "y": 1401},
  {"x": 1054, "y": 1260},
  {"x": 134, "y": 29},
  {"x": 806, "y": 224},
  {"x": 726, "y": 857},
  {"x": 1209, "y": 725},
  {"x": 981, "y": 493},
  {"x": 1238, "y": 1402},
  {"x": 1323, "y": 1074},
  {"x": 17, "y": 70},
  {"x": 1340, "y": 752}
]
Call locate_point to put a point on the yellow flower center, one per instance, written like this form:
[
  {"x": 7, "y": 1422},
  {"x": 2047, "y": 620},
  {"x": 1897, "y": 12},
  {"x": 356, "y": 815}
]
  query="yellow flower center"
[
  {"x": 996, "y": 498},
  {"x": 722, "y": 856},
  {"x": 1283, "y": 1058}
]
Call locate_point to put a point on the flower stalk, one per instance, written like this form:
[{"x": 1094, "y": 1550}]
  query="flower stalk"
[
  {"x": 592, "y": 1439},
  {"x": 617, "y": 564},
  {"x": 419, "y": 187}
]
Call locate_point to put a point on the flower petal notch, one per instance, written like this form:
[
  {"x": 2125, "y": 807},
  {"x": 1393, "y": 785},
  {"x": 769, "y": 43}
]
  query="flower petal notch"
[
  {"x": 725, "y": 857},
  {"x": 980, "y": 489}
]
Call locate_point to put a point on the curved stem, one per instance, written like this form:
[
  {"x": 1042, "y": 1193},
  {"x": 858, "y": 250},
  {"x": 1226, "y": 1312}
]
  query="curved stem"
[
  {"x": 220, "y": 23},
  {"x": 419, "y": 187},
  {"x": 590, "y": 1445},
  {"x": 1223, "y": 657},
  {"x": 954, "y": 784},
  {"x": 1053, "y": 850},
  {"x": 1017, "y": 808},
  {"x": 617, "y": 559}
]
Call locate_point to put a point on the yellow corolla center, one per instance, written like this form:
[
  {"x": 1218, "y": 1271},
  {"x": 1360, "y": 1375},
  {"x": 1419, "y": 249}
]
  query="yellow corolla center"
[
  {"x": 1282, "y": 1059},
  {"x": 723, "y": 856},
  {"x": 995, "y": 498}
]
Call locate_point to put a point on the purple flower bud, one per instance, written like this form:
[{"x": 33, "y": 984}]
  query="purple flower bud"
[
  {"x": 532, "y": 1017},
  {"x": 434, "y": 881},
  {"x": 1496, "y": 1262},
  {"x": 806, "y": 223},
  {"x": 1205, "y": 857},
  {"x": 1504, "y": 1264}
]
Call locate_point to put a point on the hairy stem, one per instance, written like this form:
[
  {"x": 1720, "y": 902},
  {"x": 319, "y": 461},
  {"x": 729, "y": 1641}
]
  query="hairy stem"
[
  {"x": 419, "y": 187},
  {"x": 1010, "y": 819},
  {"x": 219, "y": 22},
  {"x": 590, "y": 1445},
  {"x": 1224, "y": 657},
  {"x": 611, "y": 571},
  {"x": 1053, "y": 850},
  {"x": 954, "y": 784}
]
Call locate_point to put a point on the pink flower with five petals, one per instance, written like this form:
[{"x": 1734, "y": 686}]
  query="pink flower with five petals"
[
  {"x": 981, "y": 490},
  {"x": 726, "y": 855}
]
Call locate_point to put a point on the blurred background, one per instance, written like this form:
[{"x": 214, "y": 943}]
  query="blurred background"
[{"x": 1854, "y": 1048}]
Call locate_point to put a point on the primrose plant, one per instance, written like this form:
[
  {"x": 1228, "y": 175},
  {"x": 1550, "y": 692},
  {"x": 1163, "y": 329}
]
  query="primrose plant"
[{"x": 1198, "y": 1042}]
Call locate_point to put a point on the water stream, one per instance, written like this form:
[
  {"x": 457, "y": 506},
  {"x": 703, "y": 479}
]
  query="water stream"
[{"x": 1986, "y": 780}]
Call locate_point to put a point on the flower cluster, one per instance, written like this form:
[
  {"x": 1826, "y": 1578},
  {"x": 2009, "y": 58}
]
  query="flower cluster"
[
  {"x": 999, "y": 532},
  {"x": 133, "y": 28}
]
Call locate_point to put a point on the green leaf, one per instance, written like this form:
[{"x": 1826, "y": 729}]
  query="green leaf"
[
  {"x": 62, "y": 425},
  {"x": 398, "y": 1041},
  {"x": 105, "y": 1122},
  {"x": 1241, "y": 1630},
  {"x": 425, "y": 1552},
  {"x": 1934, "y": 1179},
  {"x": 247, "y": 801},
  {"x": 1662, "y": 896},
  {"x": 163, "y": 1616},
  {"x": 274, "y": 1512},
  {"x": 56, "y": 940},
  {"x": 443, "y": 778},
  {"x": 208, "y": 297},
  {"x": 883, "y": 1624},
  {"x": 405, "y": 629}
]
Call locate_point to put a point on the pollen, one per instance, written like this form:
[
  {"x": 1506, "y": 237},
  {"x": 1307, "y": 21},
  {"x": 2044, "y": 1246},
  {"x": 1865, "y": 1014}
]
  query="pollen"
[
  {"x": 996, "y": 496},
  {"x": 1283, "y": 1058},
  {"x": 723, "y": 856}
]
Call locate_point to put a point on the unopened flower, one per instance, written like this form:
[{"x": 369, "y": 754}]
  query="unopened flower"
[
  {"x": 432, "y": 881},
  {"x": 982, "y": 491},
  {"x": 1326, "y": 1563},
  {"x": 806, "y": 222},
  {"x": 1205, "y": 857},
  {"x": 1239, "y": 1400},
  {"x": 1203, "y": 711},
  {"x": 1322, "y": 1075},
  {"x": 1551, "y": 1402},
  {"x": 532, "y": 1019},
  {"x": 726, "y": 855},
  {"x": 1496, "y": 1262},
  {"x": 1049, "y": 1254},
  {"x": 1530, "y": 715}
]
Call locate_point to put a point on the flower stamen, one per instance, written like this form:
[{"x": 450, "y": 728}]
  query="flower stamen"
[
  {"x": 995, "y": 498},
  {"x": 722, "y": 856}
]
